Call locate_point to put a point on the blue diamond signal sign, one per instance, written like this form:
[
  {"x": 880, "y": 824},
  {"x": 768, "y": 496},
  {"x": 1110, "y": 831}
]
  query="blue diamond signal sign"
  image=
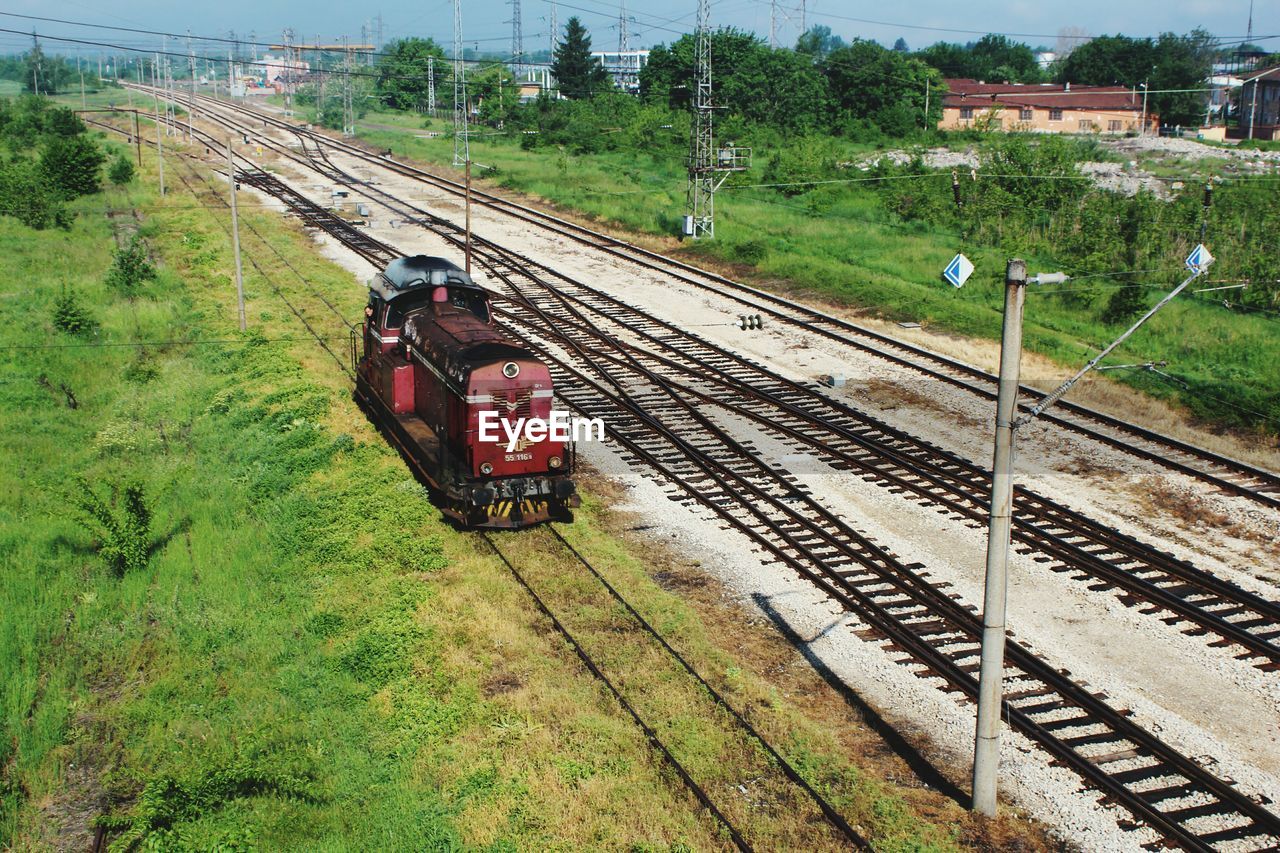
[
  {"x": 1199, "y": 259},
  {"x": 958, "y": 271}
]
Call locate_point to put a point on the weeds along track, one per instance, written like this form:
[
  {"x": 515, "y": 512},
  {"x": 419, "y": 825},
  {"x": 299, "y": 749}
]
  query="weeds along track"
[
  {"x": 780, "y": 809},
  {"x": 802, "y": 818},
  {"x": 1229, "y": 475},
  {"x": 669, "y": 431}
]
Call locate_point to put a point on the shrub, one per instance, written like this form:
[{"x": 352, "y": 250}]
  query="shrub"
[
  {"x": 26, "y": 196},
  {"x": 124, "y": 536},
  {"x": 71, "y": 165},
  {"x": 70, "y": 316},
  {"x": 130, "y": 269},
  {"x": 121, "y": 171}
]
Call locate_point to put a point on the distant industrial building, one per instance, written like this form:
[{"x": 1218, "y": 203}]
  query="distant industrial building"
[
  {"x": 1044, "y": 108},
  {"x": 623, "y": 66}
]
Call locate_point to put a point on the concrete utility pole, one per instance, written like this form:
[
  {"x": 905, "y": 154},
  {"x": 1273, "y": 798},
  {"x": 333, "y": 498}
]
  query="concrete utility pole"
[
  {"x": 986, "y": 749},
  {"x": 1144, "y": 109},
  {"x": 235, "y": 233},
  {"x": 461, "y": 144},
  {"x": 468, "y": 230},
  {"x": 191, "y": 108},
  {"x": 348, "y": 102},
  {"x": 35, "y": 65},
  {"x": 155, "y": 90}
]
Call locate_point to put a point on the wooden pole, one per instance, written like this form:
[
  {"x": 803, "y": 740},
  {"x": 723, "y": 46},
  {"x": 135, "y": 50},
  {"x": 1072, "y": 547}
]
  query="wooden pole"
[{"x": 137, "y": 138}]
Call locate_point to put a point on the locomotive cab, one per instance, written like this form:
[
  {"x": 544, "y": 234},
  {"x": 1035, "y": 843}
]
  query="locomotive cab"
[{"x": 435, "y": 370}]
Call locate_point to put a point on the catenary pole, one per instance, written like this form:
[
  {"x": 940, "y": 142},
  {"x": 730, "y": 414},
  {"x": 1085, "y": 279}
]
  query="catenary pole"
[
  {"x": 235, "y": 233},
  {"x": 986, "y": 749},
  {"x": 468, "y": 236},
  {"x": 155, "y": 90}
]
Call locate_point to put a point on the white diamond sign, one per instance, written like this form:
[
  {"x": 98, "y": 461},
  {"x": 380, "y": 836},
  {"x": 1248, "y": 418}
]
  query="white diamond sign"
[
  {"x": 1199, "y": 259},
  {"x": 958, "y": 271}
]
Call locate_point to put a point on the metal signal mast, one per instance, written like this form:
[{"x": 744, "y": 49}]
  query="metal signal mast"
[
  {"x": 708, "y": 167},
  {"x": 431, "y": 86},
  {"x": 461, "y": 145}
]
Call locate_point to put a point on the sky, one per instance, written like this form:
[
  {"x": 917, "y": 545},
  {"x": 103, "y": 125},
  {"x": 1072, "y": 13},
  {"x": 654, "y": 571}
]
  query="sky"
[{"x": 486, "y": 23}]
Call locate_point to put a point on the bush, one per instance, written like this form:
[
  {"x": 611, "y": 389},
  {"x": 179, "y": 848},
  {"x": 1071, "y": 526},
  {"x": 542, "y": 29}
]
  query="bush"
[
  {"x": 25, "y": 195},
  {"x": 130, "y": 269},
  {"x": 70, "y": 316},
  {"x": 121, "y": 171},
  {"x": 124, "y": 537},
  {"x": 71, "y": 165}
]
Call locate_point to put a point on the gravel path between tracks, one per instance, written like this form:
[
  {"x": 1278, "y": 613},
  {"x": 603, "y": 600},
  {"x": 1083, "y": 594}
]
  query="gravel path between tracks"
[{"x": 1173, "y": 683}]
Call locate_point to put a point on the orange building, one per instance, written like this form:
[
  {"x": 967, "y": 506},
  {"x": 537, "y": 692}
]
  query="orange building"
[{"x": 1043, "y": 108}]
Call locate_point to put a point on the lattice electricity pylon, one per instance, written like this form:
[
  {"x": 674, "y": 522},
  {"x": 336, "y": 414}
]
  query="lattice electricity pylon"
[
  {"x": 708, "y": 167},
  {"x": 461, "y": 145},
  {"x": 517, "y": 41}
]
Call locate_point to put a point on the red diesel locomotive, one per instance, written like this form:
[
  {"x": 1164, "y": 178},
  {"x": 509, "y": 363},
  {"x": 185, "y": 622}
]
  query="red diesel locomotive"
[{"x": 433, "y": 363}]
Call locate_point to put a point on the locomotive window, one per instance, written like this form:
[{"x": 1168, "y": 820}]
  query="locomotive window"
[
  {"x": 402, "y": 305},
  {"x": 466, "y": 299}
]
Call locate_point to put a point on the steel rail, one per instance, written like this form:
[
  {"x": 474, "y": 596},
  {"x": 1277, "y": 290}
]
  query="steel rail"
[
  {"x": 1258, "y": 484},
  {"x": 922, "y": 649}
]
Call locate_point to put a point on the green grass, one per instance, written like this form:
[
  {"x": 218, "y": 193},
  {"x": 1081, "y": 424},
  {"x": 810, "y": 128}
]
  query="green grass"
[
  {"x": 309, "y": 659},
  {"x": 838, "y": 242}
]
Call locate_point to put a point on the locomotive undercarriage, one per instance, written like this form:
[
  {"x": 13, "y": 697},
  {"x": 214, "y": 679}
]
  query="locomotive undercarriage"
[{"x": 503, "y": 503}]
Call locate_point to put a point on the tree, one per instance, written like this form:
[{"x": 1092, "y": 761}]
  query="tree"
[
  {"x": 402, "y": 73},
  {"x": 1170, "y": 62},
  {"x": 44, "y": 74},
  {"x": 71, "y": 165},
  {"x": 900, "y": 46},
  {"x": 992, "y": 57},
  {"x": 817, "y": 41},
  {"x": 882, "y": 86},
  {"x": 496, "y": 91},
  {"x": 577, "y": 73},
  {"x": 1107, "y": 61},
  {"x": 70, "y": 316},
  {"x": 121, "y": 171},
  {"x": 130, "y": 269}
]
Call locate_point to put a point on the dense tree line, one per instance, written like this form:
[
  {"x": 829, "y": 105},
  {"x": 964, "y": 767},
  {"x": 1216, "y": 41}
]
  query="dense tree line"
[
  {"x": 1169, "y": 62},
  {"x": 831, "y": 85},
  {"x": 38, "y": 72}
]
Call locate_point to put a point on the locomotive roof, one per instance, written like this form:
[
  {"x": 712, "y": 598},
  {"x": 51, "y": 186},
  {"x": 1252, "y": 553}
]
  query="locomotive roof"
[{"x": 415, "y": 271}]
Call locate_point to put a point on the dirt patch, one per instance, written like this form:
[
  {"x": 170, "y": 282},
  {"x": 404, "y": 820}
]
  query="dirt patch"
[{"x": 503, "y": 682}]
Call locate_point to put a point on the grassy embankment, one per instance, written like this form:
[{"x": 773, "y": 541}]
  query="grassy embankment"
[
  {"x": 311, "y": 658},
  {"x": 838, "y": 243}
]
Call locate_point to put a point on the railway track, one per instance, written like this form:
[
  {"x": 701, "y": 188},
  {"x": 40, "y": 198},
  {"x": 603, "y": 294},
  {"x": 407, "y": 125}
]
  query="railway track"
[
  {"x": 659, "y": 426},
  {"x": 1142, "y": 575},
  {"x": 771, "y": 777},
  {"x": 1229, "y": 475}
]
